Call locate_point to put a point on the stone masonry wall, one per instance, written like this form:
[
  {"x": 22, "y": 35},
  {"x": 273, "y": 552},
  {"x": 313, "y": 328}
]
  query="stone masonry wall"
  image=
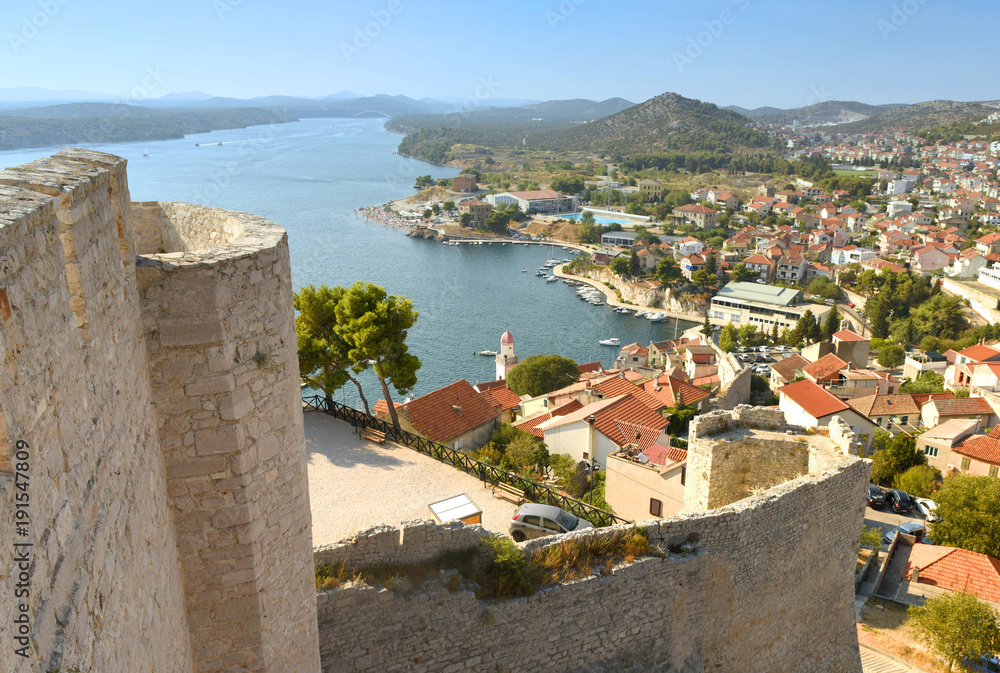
[
  {"x": 761, "y": 588},
  {"x": 412, "y": 542},
  {"x": 219, "y": 330},
  {"x": 104, "y": 582}
]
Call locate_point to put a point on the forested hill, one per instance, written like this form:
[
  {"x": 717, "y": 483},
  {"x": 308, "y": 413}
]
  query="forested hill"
[
  {"x": 93, "y": 123},
  {"x": 666, "y": 123}
]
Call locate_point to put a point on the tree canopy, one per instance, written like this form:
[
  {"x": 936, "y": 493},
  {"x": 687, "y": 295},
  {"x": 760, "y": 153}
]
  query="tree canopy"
[
  {"x": 956, "y": 625},
  {"x": 539, "y": 374},
  {"x": 969, "y": 508},
  {"x": 899, "y": 455},
  {"x": 920, "y": 480},
  {"x": 891, "y": 355},
  {"x": 342, "y": 331}
]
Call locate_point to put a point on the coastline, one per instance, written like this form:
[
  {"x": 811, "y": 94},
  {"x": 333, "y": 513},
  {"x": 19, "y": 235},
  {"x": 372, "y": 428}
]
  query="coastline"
[{"x": 611, "y": 297}]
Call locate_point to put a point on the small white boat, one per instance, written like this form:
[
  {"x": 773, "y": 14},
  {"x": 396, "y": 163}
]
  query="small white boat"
[
  {"x": 641, "y": 314},
  {"x": 488, "y": 353},
  {"x": 660, "y": 317},
  {"x": 610, "y": 342},
  {"x": 145, "y": 152},
  {"x": 524, "y": 271},
  {"x": 551, "y": 279}
]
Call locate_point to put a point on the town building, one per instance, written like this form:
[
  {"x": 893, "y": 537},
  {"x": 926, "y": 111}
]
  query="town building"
[
  {"x": 455, "y": 415},
  {"x": 543, "y": 201},
  {"x": 621, "y": 239},
  {"x": 696, "y": 214},
  {"x": 477, "y": 208},
  {"x": 763, "y": 305},
  {"x": 807, "y": 404},
  {"x": 466, "y": 182}
]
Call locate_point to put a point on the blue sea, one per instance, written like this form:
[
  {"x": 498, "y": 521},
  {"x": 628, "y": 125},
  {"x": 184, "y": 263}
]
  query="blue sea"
[{"x": 311, "y": 177}]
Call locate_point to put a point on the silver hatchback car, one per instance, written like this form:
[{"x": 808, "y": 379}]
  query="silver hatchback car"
[{"x": 532, "y": 520}]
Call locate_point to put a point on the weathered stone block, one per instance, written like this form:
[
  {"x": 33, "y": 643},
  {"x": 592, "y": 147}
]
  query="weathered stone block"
[{"x": 226, "y": 439}]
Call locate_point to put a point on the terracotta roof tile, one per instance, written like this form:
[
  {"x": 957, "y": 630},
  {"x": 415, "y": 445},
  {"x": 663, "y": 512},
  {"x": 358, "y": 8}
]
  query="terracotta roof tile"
[
  {"x": 787, "y": 366},
  {"x": 956, "y": 570},
  {"x": 673, "y": 391},
  {"x": 980, "y": 353},
  {"x": 531, "y": 424},
  {"x": 825, "y": 368},
  {"x": 665, "y": 455},
  {"x": 885, "y": 405},
  {"x": 502, "y": 397},
  {"x": 435, "y": 417},
  {"x": 815, "y": 401},
  {"x": 980, "y": 447},
  {"x": 962, "y": 406},
  {"x": 848, "y": 335},
  {"x": 614, "y": 386}
]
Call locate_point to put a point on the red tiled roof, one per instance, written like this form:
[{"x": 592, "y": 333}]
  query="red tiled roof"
[
  {"x": 956, "y": 570},
  {"x": 635, "y": 433},
  {"x": 674, "y": 392},
  {"x": 694, "y": 208},
  {"x": 825, "y": 368},
  {"x": 627, "y": 409},
  {"x": 981, "y": 447},
  {"x": 531, "y": 424},
  {"x": 787, "y": 366},
  {"x": 590, "y": 367},
  {"x": 435, "y": 417},
  {"x": 502, "y": 397},
  {"x": 962, "y": 406},
  {"x": 613, "y": 386},
  {"x": 980, "y": 353},
  {"x": 848, "y": 335},
  {"x": 665, "y": 455},
  {"x": 885, "y": 405},
  {"x": 382, "y": 407},
  {"x": 815, "y": 401}
]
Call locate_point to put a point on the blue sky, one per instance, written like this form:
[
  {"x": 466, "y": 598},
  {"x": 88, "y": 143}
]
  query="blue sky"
[{"x": 742, "y": 52}]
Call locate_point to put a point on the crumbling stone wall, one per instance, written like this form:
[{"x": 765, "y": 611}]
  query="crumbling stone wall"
[
  {"x": 753, "y": 586},
  {"x": 412, "y": 542},
  {"x": 169, "y": 509},
  {"x": 104, "y": 584}
]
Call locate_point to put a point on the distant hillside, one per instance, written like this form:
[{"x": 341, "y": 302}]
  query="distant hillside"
[
  {"x": 915, "y": 118},
  {"x": 666, "y": 122},
  {"x": 74, "y": 123},
  {"x": 755, "y": 113},
  {"x": 827, "y": 112},
  {"x": 431, "y": 137}
]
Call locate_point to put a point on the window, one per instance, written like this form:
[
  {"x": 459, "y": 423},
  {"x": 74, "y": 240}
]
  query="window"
[
  {"x": 551, "y": 525},
  {"x": 904, "y": 420},
  {"x": 655, "y": 507},
  {"x": 931, "y": 451},
  {"x": 586, "y": 455},
  {"x": 966, "y": 463},
  {"x": 684, "y": 471},
  {"x": 993, "y": 470},
  {"x": 532, "y": 521}
]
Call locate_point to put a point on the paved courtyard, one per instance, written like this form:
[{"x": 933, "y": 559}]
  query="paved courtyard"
[{"x": 355, "y": 484}]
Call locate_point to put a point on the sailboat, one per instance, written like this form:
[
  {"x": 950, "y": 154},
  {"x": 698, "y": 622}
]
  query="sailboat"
[
  {"x": 488, "y": 352},
  {"x": 145, "y": 152}
]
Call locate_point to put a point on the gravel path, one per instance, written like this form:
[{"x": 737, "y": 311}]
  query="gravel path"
[{"x": 355, "y": 484}]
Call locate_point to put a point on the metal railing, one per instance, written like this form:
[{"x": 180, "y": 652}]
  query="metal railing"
[{"x": 533, "y": 491}]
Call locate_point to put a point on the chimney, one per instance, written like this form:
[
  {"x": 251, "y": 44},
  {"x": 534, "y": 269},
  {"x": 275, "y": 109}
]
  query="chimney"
[{"x": 456, "y": 408}]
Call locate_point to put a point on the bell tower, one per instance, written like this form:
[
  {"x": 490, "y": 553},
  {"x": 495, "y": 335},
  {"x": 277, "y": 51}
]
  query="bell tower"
[{"x": 506, "y": 360}]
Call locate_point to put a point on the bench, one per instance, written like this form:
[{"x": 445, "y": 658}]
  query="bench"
[
  {"x": 373, "y": 435},
  {"x": 508, "y": 493}
]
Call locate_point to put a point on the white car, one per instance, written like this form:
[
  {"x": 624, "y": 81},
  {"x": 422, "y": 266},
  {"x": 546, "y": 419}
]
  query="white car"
[{"x": 928, "y": 508}]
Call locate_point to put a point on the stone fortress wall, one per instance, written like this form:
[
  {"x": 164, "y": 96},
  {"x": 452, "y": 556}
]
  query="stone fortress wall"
[
  {"x": 149, "y": 363},
  {"x": 752, "y": 585}
]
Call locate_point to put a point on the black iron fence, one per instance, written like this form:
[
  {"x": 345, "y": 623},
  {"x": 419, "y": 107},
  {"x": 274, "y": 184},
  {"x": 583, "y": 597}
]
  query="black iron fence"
[{"x": 533, "y": 491}]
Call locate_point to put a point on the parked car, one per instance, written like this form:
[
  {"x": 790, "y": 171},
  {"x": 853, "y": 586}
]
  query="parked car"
[
  {"x": 532, "y": 520},
  {"x": 876, "y": 497},
  {"x": 928, "y": 508},
  {"x": 900, "y": 501},
  {"x": 914, "y": 528},
  {"x": 982, "y": 664},
  {"x": 831, "y": 302},
  {"x": 850, "y": 304}
]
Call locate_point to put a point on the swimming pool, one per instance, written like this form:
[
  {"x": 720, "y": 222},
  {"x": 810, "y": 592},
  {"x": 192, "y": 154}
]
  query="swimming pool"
[{"x": 599, "y": 220}]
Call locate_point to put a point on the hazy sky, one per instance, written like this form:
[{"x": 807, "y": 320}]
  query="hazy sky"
[{"x": 742, "y": 52}]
